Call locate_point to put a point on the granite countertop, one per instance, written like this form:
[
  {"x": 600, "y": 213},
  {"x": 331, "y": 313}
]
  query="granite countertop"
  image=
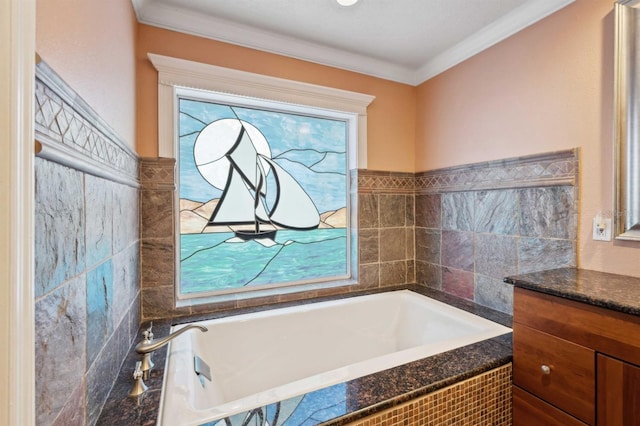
[
  {"x": 365, "y": 395},
  {"x": 617, "y": 292}
]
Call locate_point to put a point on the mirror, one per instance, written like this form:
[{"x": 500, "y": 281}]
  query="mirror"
[{"x": 627, "y": 120}]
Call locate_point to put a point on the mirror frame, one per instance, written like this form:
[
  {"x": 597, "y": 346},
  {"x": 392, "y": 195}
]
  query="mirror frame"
[{"x": 627, "y": 120}]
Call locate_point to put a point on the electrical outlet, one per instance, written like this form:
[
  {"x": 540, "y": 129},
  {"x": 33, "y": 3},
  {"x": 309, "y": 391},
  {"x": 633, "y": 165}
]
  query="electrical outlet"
[{"x": 601, "y": 229}]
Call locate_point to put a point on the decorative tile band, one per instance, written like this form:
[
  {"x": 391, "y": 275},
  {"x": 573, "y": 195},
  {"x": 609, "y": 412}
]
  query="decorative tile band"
[
  {"x": 385, "y": 182},
  {"x": 550, "y": 169},
  {"x": 74, "y": 135},
  {"x": 157, "y": 173},
  {"x": 481, "y": 400}
]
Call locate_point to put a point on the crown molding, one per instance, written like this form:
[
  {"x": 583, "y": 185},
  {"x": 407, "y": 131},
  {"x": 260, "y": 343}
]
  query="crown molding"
[
  {"x": 189, "y": 22},
  {"x": 499, "y": 30}
]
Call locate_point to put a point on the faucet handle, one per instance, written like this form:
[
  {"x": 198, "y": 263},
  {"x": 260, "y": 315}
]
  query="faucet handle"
[
  {"x": 148, "y": 334},
  {"x": 137, "y": 373},
  {"x": 138, "y": 385}
]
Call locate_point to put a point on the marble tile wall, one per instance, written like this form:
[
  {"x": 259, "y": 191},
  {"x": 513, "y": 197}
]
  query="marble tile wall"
[
  {"x": 86, "y": 255},
  {"x": 479, "y": 223},
  {"x": 460, "y": 229},
  {"x": 385, "y": 237},
  {"x": 386, "y": 220},
  {"x": 157, "y": 221}
]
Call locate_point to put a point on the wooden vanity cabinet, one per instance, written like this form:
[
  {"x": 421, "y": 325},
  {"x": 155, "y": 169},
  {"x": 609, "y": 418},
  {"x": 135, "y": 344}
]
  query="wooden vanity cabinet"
[
  {"x": 555, "y": 370},
  {"x": 574, "y": 363},
  {"x": 529, "y": 410}
]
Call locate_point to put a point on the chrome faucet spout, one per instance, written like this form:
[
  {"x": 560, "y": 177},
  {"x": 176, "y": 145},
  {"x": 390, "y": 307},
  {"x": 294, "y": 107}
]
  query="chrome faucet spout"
[{"x": 144, "y": 348}]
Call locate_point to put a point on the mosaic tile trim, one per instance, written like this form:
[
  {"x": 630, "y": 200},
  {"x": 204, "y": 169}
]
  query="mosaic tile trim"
[
  {"x": 385, "y": 182},
  {"x": 551, "y": 169},
  {"x": 481, "y": 400},
  {"x": 72, "y": 134},
  {"x": 157, "y": 173}
]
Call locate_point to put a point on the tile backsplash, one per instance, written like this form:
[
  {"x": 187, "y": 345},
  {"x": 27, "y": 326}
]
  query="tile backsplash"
[
  {"x": 479, "y": 223},
  {"x": 386, "y": 228},
  {"x": 385, "y": 238},
  {"x": 460, "y": 229},
  {"x": 86, "y": 255}
]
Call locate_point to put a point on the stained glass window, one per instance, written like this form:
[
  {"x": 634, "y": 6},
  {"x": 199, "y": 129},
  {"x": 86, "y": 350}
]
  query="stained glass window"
[{"x": 264, "y": 195}]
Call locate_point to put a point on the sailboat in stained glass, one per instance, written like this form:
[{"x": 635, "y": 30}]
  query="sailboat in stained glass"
[{"x": 247, "y": 197}]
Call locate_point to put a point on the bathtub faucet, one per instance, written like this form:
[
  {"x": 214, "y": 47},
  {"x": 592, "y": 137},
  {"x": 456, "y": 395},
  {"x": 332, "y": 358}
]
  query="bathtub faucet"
[{"x": 146, "y": 346}]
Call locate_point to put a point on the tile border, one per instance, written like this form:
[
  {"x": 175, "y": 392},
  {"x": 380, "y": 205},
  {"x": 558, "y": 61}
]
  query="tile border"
[
  {"x": 69, "y": 132},
  {"x": 385, "y": 182},
  {"x": 549, "y": 169}
]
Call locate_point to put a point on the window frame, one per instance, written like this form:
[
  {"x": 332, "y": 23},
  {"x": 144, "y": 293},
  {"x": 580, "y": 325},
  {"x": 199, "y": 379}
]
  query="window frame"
[
  {"x": 176, "y": 75},
  {"x": 350, "y": 121}
]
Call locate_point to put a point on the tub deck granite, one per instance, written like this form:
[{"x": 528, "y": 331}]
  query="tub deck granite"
[
  {"x": 366, "y": 395},
  {"x": 612, "y": 291}
]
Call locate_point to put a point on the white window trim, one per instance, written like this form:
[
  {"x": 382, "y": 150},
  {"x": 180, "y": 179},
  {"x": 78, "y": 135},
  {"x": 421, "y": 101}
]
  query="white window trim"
[
  {"x": 174, "y": 72},
  {"x": 178, "y": 74}
]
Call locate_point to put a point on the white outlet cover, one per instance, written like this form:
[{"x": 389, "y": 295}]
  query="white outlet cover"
[{"x": 605, "y": 234}]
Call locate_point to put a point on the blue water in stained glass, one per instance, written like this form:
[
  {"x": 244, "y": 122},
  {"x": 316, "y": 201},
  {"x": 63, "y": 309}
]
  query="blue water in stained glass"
[
  {"x": 319, "y": 406},
  {"x": 208, "y": 263},
  {"x": 306, "y": 410}
]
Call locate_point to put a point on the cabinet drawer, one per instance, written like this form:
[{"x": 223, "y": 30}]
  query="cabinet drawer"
[
  {"x": 529, "y": 410},
  {"x": 569, "y": 383},
  {"x": 611, "y": 332}
]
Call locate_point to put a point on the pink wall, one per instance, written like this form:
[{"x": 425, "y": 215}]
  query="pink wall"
[
  {"x": 547, "y": 88},
  {"x": 91, "y": 45}
]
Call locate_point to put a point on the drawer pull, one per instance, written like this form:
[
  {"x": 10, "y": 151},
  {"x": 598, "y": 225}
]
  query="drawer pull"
[{"x": 545, "y": 369}]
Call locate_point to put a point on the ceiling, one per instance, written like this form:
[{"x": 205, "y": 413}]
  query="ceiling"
[{"x": 407, "y": 41}]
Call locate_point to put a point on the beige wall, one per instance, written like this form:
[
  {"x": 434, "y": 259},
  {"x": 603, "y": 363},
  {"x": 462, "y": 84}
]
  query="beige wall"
[
  {"x": 90, "y": 44},
  {"x": 547, "y": 88},
  {"x": 391, "y": 116}
]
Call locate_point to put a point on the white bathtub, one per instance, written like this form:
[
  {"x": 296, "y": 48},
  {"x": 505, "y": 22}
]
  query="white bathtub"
[{"x": 260, "y": 358}]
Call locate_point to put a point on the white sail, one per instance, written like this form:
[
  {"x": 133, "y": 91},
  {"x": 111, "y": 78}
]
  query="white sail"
[
  {"x": 243, "y": 200},
  {"x": 293, "y": 208},
  {"x": 245, "y": 157},
  {"x": 236, "y": 204}
]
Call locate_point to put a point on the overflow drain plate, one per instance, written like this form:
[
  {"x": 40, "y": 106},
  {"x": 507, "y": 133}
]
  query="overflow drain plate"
[{"x": 201, "y": 368}]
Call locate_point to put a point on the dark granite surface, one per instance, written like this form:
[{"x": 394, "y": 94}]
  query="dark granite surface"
[
  {"x": 611, "y": 291},
  {"x": 365, "y": 395}
]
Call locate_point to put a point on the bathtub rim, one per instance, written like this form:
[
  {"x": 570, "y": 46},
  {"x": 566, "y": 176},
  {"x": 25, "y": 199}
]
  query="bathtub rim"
[{"x": 313, "y": 305}]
